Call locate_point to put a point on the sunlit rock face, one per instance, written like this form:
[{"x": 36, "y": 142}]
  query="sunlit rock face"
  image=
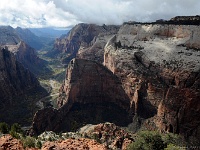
[{"x": 159, "y": 65}]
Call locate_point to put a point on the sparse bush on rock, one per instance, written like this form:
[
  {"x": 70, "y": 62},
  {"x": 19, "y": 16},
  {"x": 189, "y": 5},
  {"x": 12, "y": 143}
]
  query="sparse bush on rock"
[{"x": 4, "y": 128}]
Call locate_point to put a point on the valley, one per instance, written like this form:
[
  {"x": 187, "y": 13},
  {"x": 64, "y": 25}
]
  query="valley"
[
  {"x": 51, "y": 82},
  {"x": 114, "y": 84}
]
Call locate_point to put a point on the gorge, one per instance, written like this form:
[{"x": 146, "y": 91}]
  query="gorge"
[
  {"x": 139, "y": 76},
  {"x": 157, "y": 66}
]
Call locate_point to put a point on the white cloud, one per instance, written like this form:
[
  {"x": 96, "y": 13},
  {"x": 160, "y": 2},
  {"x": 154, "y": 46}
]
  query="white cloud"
[{"x": 62, "y": 13}]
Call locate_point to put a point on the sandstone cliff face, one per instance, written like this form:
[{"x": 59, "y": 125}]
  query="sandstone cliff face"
[
  {"x": 103, "y": 100},
  {"x": 16, "y": 85},
  {"x": 83, "y": 36},
  {"x": 28, "y": 57},
  {"x": 95, "y": 52},
  {"x": 158, "y": 67}
]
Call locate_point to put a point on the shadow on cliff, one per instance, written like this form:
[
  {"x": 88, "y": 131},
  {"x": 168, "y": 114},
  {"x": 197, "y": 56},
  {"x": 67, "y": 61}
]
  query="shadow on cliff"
[{"x": 91, "y": 94}]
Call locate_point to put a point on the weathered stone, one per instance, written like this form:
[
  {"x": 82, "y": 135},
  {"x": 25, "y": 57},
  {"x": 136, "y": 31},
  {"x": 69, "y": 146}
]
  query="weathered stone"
[
  {"x": 25, "y": 54},
  {"x": 159, "y": 73},
  {"x": 79, "y": 144},
  {"x": 7, "y": 142}
]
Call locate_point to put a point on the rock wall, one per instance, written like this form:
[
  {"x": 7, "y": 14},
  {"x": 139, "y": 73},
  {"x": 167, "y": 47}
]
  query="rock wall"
[
  {"x": 8, "y": 36},
  {"x": 15, "y": 79},
  {"x": 90, "y": 94},
  {"x": 17, "y": 84},
  {"x": 156, "y": 66},
  {"x": 87, "y": 40}
]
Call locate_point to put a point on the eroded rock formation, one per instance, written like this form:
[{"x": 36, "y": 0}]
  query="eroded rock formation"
[
  {"x": 74, "y": 144},
  {"x": 157, "y": 66},
  {"x": 108, "y": 134},
  {"x": 90, "y": 94},
  {"x": 27, "y": 56},
  {"x": 88, "y": 40}
]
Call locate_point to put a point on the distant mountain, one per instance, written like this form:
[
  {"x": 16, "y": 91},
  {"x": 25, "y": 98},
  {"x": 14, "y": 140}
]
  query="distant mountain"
[
  {"x": 49, "y": 32},
  {"x": 8, "y": 36},
  {"x": 83, "y": 35},
  {"x": 24, "y": 53},
  {"x": 30, "y": 38}
]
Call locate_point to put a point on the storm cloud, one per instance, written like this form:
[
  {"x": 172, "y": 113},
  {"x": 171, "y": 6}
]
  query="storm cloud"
[{"x": 63, "y": 13}]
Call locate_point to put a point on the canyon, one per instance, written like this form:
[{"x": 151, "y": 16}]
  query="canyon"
[
  {"x": 153, "y": 74},
  {"x": 138, "y": 76}
]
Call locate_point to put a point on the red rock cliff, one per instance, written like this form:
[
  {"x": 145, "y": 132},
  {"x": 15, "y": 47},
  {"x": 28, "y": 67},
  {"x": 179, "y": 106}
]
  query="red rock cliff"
[{"x": 90, "y": 94}]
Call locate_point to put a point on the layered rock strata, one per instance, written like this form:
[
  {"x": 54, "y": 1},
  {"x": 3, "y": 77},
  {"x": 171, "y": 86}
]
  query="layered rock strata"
[{"x": 159, "y": 65}]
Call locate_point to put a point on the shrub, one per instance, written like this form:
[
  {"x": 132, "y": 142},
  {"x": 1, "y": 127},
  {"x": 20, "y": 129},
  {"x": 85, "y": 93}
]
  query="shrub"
[
  {"x": 14, "y": 134},
  {"x": 29, "y": 142},
  {"x": 38, "y": 144},
  {"x": 148, "y": 140},
  {"x": 174, "y": 139},
  {"x": 174, "y": 147},
  {"x": 15, "y": 130},
  {"x": 4, "y": 128}
]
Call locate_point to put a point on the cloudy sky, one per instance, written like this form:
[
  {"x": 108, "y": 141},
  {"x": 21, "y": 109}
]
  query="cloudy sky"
[{"x": 64, "y": 13}]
